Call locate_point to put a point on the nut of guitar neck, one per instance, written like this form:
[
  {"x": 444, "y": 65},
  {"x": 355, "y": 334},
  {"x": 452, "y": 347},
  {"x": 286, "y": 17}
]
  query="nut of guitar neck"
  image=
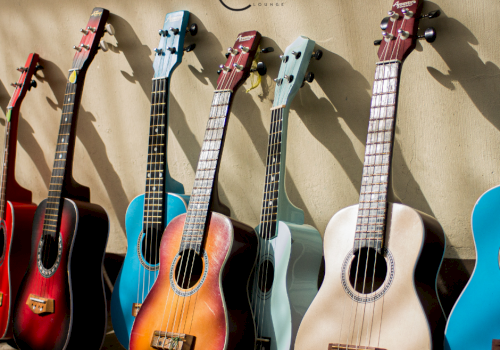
[
  {"x": 40, "y": 305},
  {"x": 170, "y": 340}
]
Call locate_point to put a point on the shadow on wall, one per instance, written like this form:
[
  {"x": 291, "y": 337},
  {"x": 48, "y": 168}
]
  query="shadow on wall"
[
  {"x": 25, "y": 133},
  {"x": 91, "y": 140}
]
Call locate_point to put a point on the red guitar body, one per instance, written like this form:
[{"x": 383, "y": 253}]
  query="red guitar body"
[{"x": 76, "y": 286}]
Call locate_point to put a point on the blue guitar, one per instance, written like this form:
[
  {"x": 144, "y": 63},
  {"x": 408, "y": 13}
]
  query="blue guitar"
[
  {"x": 148, "y": 214},
  {"x": 289, "y": 257},
  {"x": 474, "y": 322}
]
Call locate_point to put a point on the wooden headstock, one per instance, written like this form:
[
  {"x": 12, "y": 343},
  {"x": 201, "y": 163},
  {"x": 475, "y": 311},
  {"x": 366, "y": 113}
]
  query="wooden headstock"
[
  {"x": 400, "y": 30},
  {"x": 90, "y": 42},
  {"x": 25, "y": 82},
  {"x": 171, "y": 48},
  {"x": 239, "y": 61}
]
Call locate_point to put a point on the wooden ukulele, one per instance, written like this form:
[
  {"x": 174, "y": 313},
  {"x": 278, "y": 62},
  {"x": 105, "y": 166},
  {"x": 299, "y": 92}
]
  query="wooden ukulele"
[
  {"x": 16, "y": 208},
  {"x": 200, "y": 299},
  {"x": 164, "y": 199},
  {"x": 289, "y": 256},
  {"x": 381, "y": 258},
  {"x": 61, "y": 303}
]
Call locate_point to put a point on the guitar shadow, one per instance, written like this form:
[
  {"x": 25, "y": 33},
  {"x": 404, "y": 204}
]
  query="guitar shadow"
[{"x": 91, "y": 140}]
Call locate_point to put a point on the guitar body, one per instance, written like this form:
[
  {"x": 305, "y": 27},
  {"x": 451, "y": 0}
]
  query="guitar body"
[
  {"x": 15, "y": 256},
  {"x": 473, "y": 322},
  {"x": 406, "y": 314},
  {"x": 217, "y": 312},
  {"x": 295, "y": 254},
  {"x": 125, "y": 291},
  {"x": 76, "y": 286}
]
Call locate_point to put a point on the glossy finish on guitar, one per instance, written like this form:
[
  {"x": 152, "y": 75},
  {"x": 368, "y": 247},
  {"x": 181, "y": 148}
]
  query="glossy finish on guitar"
[
  {"x": 76, "y": 285},
  {"x": 230, "y": 248},
  {"x": 473, "y": 322}
]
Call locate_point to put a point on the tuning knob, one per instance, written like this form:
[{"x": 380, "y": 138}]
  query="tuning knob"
[
  {"x": 84, "y": 31},
  {"x": 92, "y": 29},
  {"x": 162, "y": 32},
  {"x": 429, "y": 35},
  {"x": 296, "y": 54},
  {"x": 278, "y": 81},
  {"x": 103, "y": 46},
  {"x": 77, "y": 48},
  {"x": 171, "y": 49},
  {"x": 219, "y": 71},
  {"x": 174, "y": 30},
  {"x": 22, "y": 69},
  {"x": 190, "y": 48},
  {"x": 38, "y": 67},
  {"x": 317, "y": 55},
  {"x": 32, "y": 84},
  {"x": 108, "y": 28},
  {"x": 432, "y": 14},
  {"x": 86, "y": 47},
  {"x": 308, "y": 78},
  {"x": 384, "y": 23},
  {"x": 158, "y": 51},
  {"x": 15, "y": 85},
  {"x": 377, "y": 42},
  {"x": 284, "y": 58},
  {"x": 267, "y": 49},
  {"x": 227, "y": 54},
  {"x": 289, "y": 78},
  {"x": 261, "y": 68},
  {"x": 193, "y": 29}
]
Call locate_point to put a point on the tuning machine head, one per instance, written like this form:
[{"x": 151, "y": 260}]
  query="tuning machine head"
[
  {"x": 432, "y": 14},
  {"x": 261, "y": 69},
  {"x": 32, "y": 84},
  {"x": 267, "y": 49},
  {"x": 192, "y": 29},
  {"x": 308, "y": 78},
  {"x": 108, "y": 28},
  {"x": 317, "y": 55},
  {"x": 429, "y": 35},
  {"x": 16, "y": 85},
  {"x": 38, "y": 67},
  {"x": 103, "y": 46},
  {"x": 22, "y": 69},
  {"x": 385, "y": 23},
  {"x": 190, "y": 48}
]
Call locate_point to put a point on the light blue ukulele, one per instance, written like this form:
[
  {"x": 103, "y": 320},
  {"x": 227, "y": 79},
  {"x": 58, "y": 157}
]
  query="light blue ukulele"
[
  {"x": 286, "y": 274},
  {"x": 148, "y": 214},
  {"x": 474, "y": 322}
]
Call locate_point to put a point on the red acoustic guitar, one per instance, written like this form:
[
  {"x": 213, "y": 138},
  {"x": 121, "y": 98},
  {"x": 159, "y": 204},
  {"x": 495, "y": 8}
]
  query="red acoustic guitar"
[
  {"x": 61, "y": 302},
  {"x": 16, "y": 209},
  {"x": 200, "y": 300}
]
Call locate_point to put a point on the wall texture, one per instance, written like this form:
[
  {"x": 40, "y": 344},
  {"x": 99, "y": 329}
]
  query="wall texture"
[{"x": 447, "y": 146}]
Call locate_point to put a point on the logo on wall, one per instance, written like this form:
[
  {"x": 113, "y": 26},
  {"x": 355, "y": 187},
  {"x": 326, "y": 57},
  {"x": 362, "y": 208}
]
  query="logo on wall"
[
  {"x": 233, "y": 9},
  {"x": 259, "y": 4}
]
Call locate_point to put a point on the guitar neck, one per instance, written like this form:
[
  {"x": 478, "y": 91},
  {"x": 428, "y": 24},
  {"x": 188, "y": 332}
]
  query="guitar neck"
[
  {"x": 207, "y": 171},
  {"x": 8, "y": 157},
  {"x": 372, "y": 214}
]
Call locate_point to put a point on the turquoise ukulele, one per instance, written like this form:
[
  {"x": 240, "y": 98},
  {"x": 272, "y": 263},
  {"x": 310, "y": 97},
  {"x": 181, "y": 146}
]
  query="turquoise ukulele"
[
  {"x": 289, "y": 257},
  {"x": 474, "y": 321},
  {"x": 148, "y": 214}
]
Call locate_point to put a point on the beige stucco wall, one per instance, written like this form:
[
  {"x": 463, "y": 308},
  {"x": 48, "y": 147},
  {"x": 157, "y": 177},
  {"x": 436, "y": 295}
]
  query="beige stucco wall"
[{"x": 447, "y": 146}]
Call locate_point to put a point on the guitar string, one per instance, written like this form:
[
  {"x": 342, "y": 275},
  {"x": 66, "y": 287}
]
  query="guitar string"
[
  {"x": 181, "y": 258},
  {"x": 214, "y": 134}
]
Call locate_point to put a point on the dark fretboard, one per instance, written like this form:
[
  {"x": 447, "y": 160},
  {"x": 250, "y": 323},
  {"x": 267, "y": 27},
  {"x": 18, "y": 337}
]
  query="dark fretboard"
[
  {"x": 154, "y": 197},
  {"x": 271, "y": 187},
  {"x": 206, "y": 174},
  {"x": 5, "y": 164},
  {"x": 372, "y": 212}
]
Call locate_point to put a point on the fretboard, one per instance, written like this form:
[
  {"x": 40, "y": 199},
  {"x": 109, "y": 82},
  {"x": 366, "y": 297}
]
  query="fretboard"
[
  {"x": 271, "y": 187},
  {"x": 5, "y": 164},
  {"x": 206, "y": 173},
  {"x": 372, "y": 213},
  {"x": 154, "y": 197},
  {"x": 64, "y": 152}
]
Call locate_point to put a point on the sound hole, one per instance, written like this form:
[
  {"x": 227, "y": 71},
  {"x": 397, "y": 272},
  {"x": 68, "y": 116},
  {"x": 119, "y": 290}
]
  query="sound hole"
[
  {"x": 189, "y": 269},
  {"x": 151, "y": 245},
  {"x": 49, "y": 251},
  {"x": 368, "y": 271},
  {"x": 266, "y": 276},
  {"x": 2, "y": 242}
]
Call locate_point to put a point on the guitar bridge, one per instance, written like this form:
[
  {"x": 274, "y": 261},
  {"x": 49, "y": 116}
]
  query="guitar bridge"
[
  {"x": 170, "y": 340},
  {"x": 40, "y": 305},
  {"x": 351, "y": 347},
  {"x": 263, "y": 343},
  {"x": 135, "y": 309}
]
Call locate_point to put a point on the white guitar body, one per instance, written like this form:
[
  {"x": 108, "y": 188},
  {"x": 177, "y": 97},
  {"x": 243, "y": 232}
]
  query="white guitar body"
[{"x": 404, "y": 313}]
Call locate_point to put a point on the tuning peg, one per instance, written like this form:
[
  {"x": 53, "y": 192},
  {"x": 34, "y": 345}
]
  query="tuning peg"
[
  {"x": 108, "y": 28},
  {"x": 238, "y": 66},
  {"x": 289, "y": 78},
  {"x": 377, "y": 42},
  {"x": 387, "y": 36},
  {"x": 407, "y": 13},
  {"x": 232, "y": 51},
  {"x": 308, "y": 78},
  {"x": 190, "y": 48},
  {"x": 284, "y": 58},
  {"x": 77, "y": 48},
  {"x": 84, "y": 31},
  {"x": 103, "y": 46},
  {"x": 296, "y": 54},
  {"x": 384, "y": 23},
  {"x": 86, "y": 47},
  {"x": 227, "y": 54},
  {"x": 317, "y": 55},
  {"x": 92, "y": 29},
  {"x": 15, "y": 85},
  {"x": 403, "y": 34},
  {"x": 219, "y": 71},
  {"x": 261, "y": 69},
  {"x": 278, "y": 81},
  {"x": 32, "y": 84},
  {"x": 432, "y": 14},
  {"x": 193, "y": 29},
  {"x": 171, "y": 49},
  {"x": 393, "y": 15},
  {"x": 174, "y": 30},
  {"x": 429, "y": 35},
  {"x": 158, "y": 51},
  {"x": 162, "y": 32},
  {"x": 22, "y": 69},
  {"x": 38, "y": 67},
  {"x": 224, "y": 68},
  {"x": 244, "y": 48},
  {"x": 267, "y": 49}
]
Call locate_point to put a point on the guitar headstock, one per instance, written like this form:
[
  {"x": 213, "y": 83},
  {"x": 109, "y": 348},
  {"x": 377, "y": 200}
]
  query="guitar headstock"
[
  {"x": 25, "y": 81},
  {"x": 171, "y": 48},
  {"x": 292, "y": 73},
  {"x": 239, "y": 61},
  {"x": 91, "y": 41},
  {"x": 399, "y": 30}
]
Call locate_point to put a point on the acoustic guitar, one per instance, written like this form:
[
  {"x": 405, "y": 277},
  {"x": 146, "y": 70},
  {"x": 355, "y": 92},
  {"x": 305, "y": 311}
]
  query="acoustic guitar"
[
  {"x": 16, "y": 208},
  {"x": 61, "y": 303},
  {"x": 289, "y": 257},
  {"x": 149, "y": 213},
  {"x": 200, "y": 298},
  {"x": 381, "y": 258}
]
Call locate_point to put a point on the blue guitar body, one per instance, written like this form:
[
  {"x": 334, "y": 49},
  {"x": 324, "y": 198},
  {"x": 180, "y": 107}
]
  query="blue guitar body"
[
  {"x": 474, "y": 321},
  {"x": 135, "y": 266}
]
